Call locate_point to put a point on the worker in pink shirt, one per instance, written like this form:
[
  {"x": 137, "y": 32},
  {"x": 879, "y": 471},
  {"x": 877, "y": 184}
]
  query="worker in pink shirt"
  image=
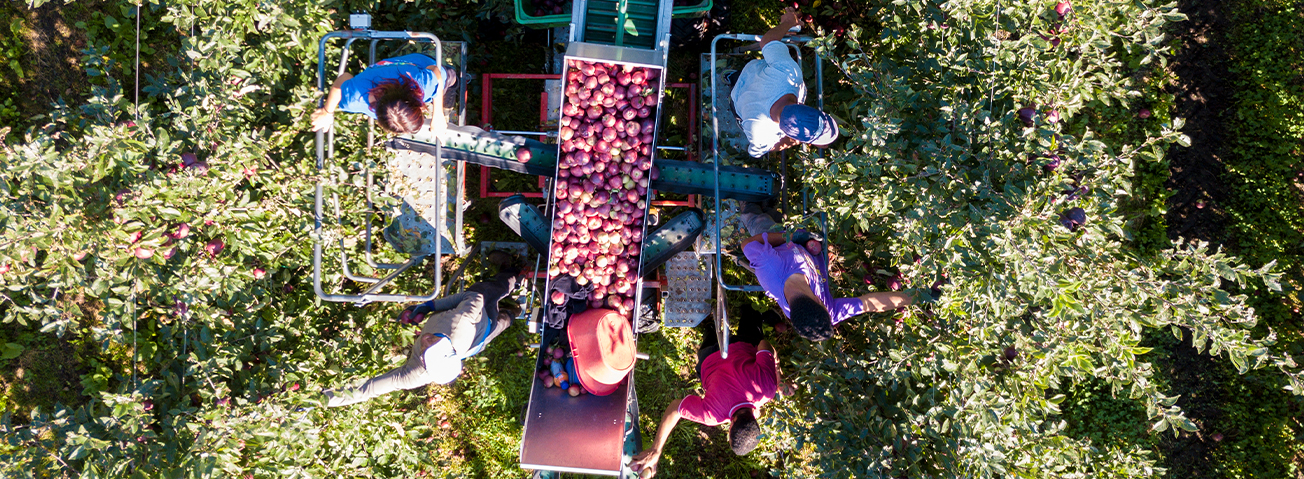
[{"x": 734, "y": 390}]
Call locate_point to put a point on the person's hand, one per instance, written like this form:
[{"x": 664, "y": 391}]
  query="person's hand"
[
  {"x": 645, "y": 463},
  {"x": 438, "y": 125},
  {"x": 790, "y": 18},
  {"x": 410, "y": 317},
  {"x": 787, "y": 389},
  {"x": 322, "y": 120}
]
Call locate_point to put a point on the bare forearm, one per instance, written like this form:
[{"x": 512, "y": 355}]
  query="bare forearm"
[
  {"x": 776, "y": 238},
  {"x": 668, "y": 422},
  {"x": 777, "y": 33},
  {"x": 333, "y": 95},
  {"x": 785, "y": 143},
  {"x": 878, "y": 302}
]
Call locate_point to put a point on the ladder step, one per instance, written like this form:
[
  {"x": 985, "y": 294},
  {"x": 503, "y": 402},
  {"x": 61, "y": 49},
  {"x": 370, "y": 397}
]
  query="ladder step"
[
  {"x": 669, "y": 239},
  {"x": 687, "y": 298}
]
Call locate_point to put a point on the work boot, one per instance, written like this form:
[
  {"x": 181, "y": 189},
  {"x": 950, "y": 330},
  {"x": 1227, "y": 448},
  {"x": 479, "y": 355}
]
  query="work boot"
[
  {"x": 502, "y": 259},
  {"x": 508, "y": 313}
]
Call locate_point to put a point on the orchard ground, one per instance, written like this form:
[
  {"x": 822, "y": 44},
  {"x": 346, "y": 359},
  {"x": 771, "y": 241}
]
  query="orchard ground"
[{"x": 272, "y": 347}]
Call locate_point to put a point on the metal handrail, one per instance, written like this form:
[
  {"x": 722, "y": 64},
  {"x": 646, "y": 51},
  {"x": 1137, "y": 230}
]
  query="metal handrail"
[
  {"x": 324, "y": 148},
  {"x": 792, "y": 42}
]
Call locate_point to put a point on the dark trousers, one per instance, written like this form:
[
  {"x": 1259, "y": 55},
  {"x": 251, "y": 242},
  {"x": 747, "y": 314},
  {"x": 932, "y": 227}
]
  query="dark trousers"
[
  {"x": 494, "y": 291},
  {"x": 749, "y": 331}
]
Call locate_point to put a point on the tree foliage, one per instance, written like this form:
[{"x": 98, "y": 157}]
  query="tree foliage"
[
  {"x": 210, "y": 338},
  {"x": 941, "y": 171}
]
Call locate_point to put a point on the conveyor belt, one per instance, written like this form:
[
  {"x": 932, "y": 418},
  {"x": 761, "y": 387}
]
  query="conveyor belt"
[
  {"x": 674, "y": 236},
  {"x": 526, "y": 221},
  {"x": 476, "y": 146},
  {"x": 623, "y": 23},
  {"x": 692, "y": 178},
  {"x": 683, "y": 177}
]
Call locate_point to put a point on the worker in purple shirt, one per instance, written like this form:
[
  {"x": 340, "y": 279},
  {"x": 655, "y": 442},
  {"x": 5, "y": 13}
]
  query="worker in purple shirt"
[{"x": 798, "y": 280}]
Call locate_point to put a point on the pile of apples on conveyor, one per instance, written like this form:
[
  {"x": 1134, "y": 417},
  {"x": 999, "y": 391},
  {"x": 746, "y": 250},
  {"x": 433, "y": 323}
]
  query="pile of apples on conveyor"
[{"x": 607, "y": 130}]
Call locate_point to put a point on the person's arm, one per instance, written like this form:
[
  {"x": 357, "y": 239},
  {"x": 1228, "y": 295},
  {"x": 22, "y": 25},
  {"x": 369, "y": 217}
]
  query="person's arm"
[
  {"x": 774, "y": 238},
  {"x": 647, "y": 460},
  {"x": 884, "y": 301},
  {"x": 438, "y": 122},
  {"x": 785, "y": 143},
  {"x": 786, "y": 23},
  {"x": 324, "y": 117},
  {"x": 785, "y": 389},
  {"x": 445, "y": 303}
]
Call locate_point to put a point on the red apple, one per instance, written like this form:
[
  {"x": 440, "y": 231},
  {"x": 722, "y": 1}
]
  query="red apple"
[
  {"x": 214, "y": 247},
  {"x": 143, "y": 253}
]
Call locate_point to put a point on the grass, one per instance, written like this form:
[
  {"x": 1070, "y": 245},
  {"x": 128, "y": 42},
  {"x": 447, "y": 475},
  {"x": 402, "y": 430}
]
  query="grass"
[{"x": 43, "y": 372}]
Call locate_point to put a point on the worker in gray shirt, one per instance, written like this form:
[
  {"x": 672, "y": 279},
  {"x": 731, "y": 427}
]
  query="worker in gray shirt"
[
  {"x": 768, "y": 94},
  {"x": 456, "y": 327}
]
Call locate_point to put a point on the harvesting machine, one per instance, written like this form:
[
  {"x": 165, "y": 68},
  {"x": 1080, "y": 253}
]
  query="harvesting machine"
[{"x": 423, "y": 179}]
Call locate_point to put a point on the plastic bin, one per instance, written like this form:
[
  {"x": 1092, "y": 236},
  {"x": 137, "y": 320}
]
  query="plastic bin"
[{"x": 562, "y": 19}]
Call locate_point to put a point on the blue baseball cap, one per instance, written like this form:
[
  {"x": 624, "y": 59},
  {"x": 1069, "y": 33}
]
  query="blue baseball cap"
[{"x": 808, "y": 125}]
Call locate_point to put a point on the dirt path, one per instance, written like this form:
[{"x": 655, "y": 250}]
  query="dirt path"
[
  {"x": 52, "y": 57},
  {"x": 1203, "y": 94}
]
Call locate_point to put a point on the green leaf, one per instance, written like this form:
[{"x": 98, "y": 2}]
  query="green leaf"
[
  {"x": 1160, "y": 426},
  {"x": 11, "y": 350}
]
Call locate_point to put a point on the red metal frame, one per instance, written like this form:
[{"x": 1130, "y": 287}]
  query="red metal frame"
[{"x": 486, "y": 119}]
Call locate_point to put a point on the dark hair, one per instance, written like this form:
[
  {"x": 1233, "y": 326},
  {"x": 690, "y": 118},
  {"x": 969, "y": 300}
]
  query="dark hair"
[
  {"x": 810, "y": 319},
  {"x": 398, "y": 105},
  {"x": 744, "y": 433}
]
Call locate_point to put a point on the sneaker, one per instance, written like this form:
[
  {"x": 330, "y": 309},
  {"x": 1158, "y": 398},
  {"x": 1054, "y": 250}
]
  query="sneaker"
[
  {"x": 648, "y": 322},
  {"x": 730, "y": 76}
]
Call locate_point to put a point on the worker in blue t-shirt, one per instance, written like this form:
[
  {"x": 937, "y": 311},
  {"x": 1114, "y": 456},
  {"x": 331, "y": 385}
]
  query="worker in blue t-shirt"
[{"x": 396, "y": 92}]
